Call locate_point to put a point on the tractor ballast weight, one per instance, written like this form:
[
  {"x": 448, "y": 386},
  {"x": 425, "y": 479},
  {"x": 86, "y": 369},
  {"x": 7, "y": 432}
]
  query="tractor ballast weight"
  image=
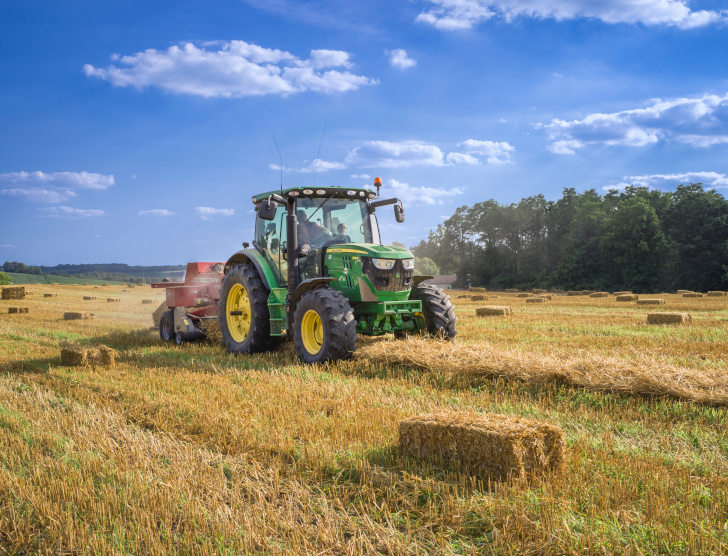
[{"x": 317, "y": 284}]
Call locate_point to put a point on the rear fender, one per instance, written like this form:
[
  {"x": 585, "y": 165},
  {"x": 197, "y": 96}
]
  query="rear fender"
[
  {"x": 305, "y": 287},
  {"x": 261, "y": 265}
]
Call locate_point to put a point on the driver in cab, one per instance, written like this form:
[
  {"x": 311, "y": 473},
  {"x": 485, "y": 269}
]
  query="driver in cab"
[{"x": 309, "y": 232}]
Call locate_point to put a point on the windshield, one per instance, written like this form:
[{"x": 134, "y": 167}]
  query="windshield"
[{"x": 328, "y": 220}]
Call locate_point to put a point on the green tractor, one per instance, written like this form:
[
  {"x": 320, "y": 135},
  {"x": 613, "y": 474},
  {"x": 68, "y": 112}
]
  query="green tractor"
[{"x": 319, "y": 273}]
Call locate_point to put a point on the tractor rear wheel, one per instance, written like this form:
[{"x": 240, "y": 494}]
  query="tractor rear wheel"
[
  {"x": 166, "y": 326},
  {"x": 244, "y": 315},
  {"x": 439, "y": 313},
  {"x": 324, "y": 327}
]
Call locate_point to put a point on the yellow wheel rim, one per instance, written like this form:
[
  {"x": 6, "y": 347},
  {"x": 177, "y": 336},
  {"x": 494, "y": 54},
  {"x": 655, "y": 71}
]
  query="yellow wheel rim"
[
  {"x": 312, "y": 332},
  {"x": 238, "y": 325}
]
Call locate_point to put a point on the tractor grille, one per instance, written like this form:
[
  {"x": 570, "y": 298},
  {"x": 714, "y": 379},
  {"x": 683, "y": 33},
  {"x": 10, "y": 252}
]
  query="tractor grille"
[
  {"x": 346, "y": 261},
  {"x": 396, "y": 279}
]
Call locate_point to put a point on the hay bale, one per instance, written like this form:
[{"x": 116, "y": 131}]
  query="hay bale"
[
  {"x": 13, "y": 292},
  {"x": 717, "y": 294},
  {"x": 113, "y": 299},
  {"x": 12, "y": 310},
  {"x": 124, "y": 291},
  {"x": 85, "y": 284},
  {"x": 147, "y": 301},
  {"x": 89, "y": 298},
  {"x": 478, "y": 297},
  {"x": 512, "y": 290},
  {"x": 82, "y": 357},
  {"x": 104, "y": 284},
  {"x": 96, "y": 287},
  {"x": 131, "y": 286},
  {"x": 573, "y": 293},
  {"x": 628, "y": 297},
  {"x": 17, "y": 310},
  {"x": 476, "y": 290},
  {"x": 493, "y": 310},
  {"x": 78, "y": 315},
  {"x": 50, "y": 295},
  {"x": 681, "y": 292},
  {"x": 525, "y": 295},
  {"x": 157, "y": 314},
  {"x": 587, "y": 292},
  {"x": 537, "y": 300},
  {"x": 668, "y": 318},
  {"x": 536, "y": 290},
  {"x": 74, "y": 357},
  {"x": 692, "y": 295},
  {"x": 599, "y": 294},
  {"x": 651, "y": 302},
  {"x": 491, "y": 447}
]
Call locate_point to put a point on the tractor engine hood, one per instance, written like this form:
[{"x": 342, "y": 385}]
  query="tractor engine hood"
[{"x": 371, "y": 250}]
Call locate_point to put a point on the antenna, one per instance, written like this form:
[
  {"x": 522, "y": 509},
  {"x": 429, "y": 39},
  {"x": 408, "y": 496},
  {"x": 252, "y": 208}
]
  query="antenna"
[
  {"x": 319, "y": 153},
  {"x": 279, "y": 154}
]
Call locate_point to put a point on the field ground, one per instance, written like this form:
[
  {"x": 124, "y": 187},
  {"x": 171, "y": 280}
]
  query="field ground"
[
  {"x": 20, "y": 279},
  {"x": 191, "y": 451}
]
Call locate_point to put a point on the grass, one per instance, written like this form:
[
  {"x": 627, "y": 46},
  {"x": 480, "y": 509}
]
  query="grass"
[{"x": 192, "y": 451}]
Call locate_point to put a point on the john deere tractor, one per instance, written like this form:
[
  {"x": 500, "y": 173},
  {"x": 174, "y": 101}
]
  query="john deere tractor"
[{"x": 318, "y": 273}]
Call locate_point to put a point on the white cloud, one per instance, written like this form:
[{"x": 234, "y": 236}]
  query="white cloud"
[
  {"x": 232, "y": 69},
  {"x": 156, "y": 212},
  {"x": 70, "y": 212},
  {"x": 70, "y": 180},
  {"x": 8, "y": 245},
  {"x": 497, "y": 152},
  {"x": 565, "y": 147},
  {"x": 398, "y": 58},
  {"x": 323, "y": 166},
  {"x": 420, "y": 195},
  {"x": 699, "y": 122},
  {"x": 454, "y": 15},
  {"x": 362, "y": 176},
  {"x": 206, "y": 213},
  {"x": 38, "y": 195},
  {"x": 385, "y": 154},
  {"x": 460, "y": 158},
  {"x": 710, "y": 179}
]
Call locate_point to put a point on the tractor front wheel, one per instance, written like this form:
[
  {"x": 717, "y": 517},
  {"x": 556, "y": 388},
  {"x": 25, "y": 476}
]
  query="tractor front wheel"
[
  {"x": 324, "y": 327},
  {"x": 244, "y": 316},
  {"x": 439, "y": 313}
]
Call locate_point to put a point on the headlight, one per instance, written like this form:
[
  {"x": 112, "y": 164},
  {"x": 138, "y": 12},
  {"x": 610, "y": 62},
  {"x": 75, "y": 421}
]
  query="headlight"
[
  {"x": 383, "y": 264},
  {"x": 408, "y": 264}
]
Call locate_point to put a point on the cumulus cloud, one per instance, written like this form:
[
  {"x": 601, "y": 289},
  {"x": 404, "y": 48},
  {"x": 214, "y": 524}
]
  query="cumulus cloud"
[
  {"x": 461, "y": 158},
  {"x": 207, "y": 213},
  {"x": 497, "y": 152},
  {"x": 398, "y": 58},
  {"x": 323, "y": 166},
  {"x": 156, "y": 212},
  {"x": 413, "y": 195},
  {"x": 386, "y": 154},
  {"x": 710, "y": 179},
  {"x": 232, "y": 69},
  {"x": 38, "y": 195},
  {"x": 362, "y": 176},
  {"x": 454, "y": 15},
  {"x": 70, "y": 180},
  {"x": 698, "y": 122},
  {"x": 70, "y": 212}
]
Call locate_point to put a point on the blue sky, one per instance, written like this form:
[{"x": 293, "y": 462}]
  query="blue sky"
[{"x": 137, "y": 133}]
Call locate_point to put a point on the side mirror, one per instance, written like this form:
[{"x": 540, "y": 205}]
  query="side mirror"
[
  {"x": 267, "y": 209},
  {"x": 399, "y": 213}
]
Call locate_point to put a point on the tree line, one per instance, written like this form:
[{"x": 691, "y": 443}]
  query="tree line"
[{"x": 637, "y": 239}]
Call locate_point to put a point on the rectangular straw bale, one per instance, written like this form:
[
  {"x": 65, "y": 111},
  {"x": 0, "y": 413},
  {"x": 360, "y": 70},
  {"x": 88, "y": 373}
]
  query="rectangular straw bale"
[
  {"x": 573, "y": 293},
  {"x": 536, "y": 290},
  {"x": 525, "y": 295},
  {"x": 668, "y": 318},
  {"x": 78, "y": 315},
  {"x": 587, "y": 292},
  {"x": 476, "y": 290},
  {"x": 89, "y": 298},
  {"x": 599, "y": 294},
  {"x": 81, "y": 357},
  {"x": 680, "y": 292},
  {"x": 13, "y": 292},
  {"x": 12, "y": 310},
  {"x": 693, "y": 295},
  {"x": 512, "y": 290},
  {"x": 124, "y": 291},
  {"x": 478, "y": 297},
  {"x": 537, "y": 300},
  {"x": 628, "y": 297},
  {"x": 18, "y": 310},
  {"x": 50, "y": 295},
  {"x": 717, "y": 294},
  {"x": 85, "y": 284},
  {"x": 651, "y": 302},
  {"x": 493, "y": 310},
  {"x": 104, "y": 284},
  {"x": 147, "y": 301},
  {"x": 113, "y": 299},
  {"x": 491, "y": 447},
  {"x": 74, "y": 357}
]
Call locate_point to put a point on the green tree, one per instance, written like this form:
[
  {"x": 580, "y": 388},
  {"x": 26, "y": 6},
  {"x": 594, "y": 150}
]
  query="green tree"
[
  {"x": 398, "y": 244},
  {"x": 634, "y": 243},
  {"x": 4, "y": 279},
  {"x": 426, "y": 266}
]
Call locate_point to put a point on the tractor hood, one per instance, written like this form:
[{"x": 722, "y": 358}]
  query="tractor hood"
[{"x": 370, "y": 250}]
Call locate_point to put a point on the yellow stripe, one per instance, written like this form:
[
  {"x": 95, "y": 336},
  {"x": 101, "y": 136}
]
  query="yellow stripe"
[{"x": 346, "y": 251}]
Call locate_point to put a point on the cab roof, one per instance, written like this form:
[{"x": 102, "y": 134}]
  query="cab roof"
[{"x": 315, "y": 192}]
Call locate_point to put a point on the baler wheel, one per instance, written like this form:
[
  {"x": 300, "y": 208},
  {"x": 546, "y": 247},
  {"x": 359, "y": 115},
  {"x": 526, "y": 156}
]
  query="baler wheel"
[
  {"x": 166, "y": 326},
  {"x": 324, "y": 327},
  {"x": 439, "y": 313}
]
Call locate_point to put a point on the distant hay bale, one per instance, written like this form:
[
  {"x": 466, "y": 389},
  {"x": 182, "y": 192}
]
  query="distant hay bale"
[
  {"x": 13, "y": 292},
  {"x": 536, "y": 290},
  {"x": 587, "y": 292},
  {"x": 113, "y": 299},
  {"x": 651, "y": 302},
  {"x": 157, "y": 314},
  {"x": 147, "y": 301},
  {"x": 628, "y": 297},
  {"x": 493, "y": 311},
  {"x": 476, "y": 290},
  {"x": 54, "y": 284},
  {"x": 104, "y": 284},
  {"x": 131, "y": 286},
  {"x": 717, "y": 294},
  {"x": 18, "y": 310},
  {"x": 50, "y": 295},
  {"x": 692, "y": 295},
  {"x": 478, "y": 297},
  {"x": 85, "y": 284},
  {"x": 491, "y": 447},
  {"x": 548, "y": 296},
  {"x": 96, "y": 287},
  {"x": 463, "y": 297},
  {"x": 622, "y": 293},
  {"x": 681, "y": 292},
  {"x": 89, "y": 298},
  {"x": 82, "y": 357},
  {"x": 668, "y": 318},
  {"x": 537, "y": 300},
  {"x": 525, "y": 295},
  {"x": 124, "y": 291},
  {"x": 78, "y": 316},
  {"x": 599, "y": 294},
  {"x": 512, "y": 290},
  {"x": 573, "y": 293}
]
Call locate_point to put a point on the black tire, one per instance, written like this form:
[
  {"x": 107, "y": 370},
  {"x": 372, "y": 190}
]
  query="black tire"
[
  {"x": 179, "y": 338},
  {"x": 166, "y": 326},
  {"x": 337, "y": 322},
  {"x": 258, "y": 338},
  {"x": 439, "y": 313}
]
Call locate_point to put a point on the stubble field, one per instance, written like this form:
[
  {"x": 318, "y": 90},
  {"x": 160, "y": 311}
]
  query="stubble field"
[{"x": 191, "y": 451}]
